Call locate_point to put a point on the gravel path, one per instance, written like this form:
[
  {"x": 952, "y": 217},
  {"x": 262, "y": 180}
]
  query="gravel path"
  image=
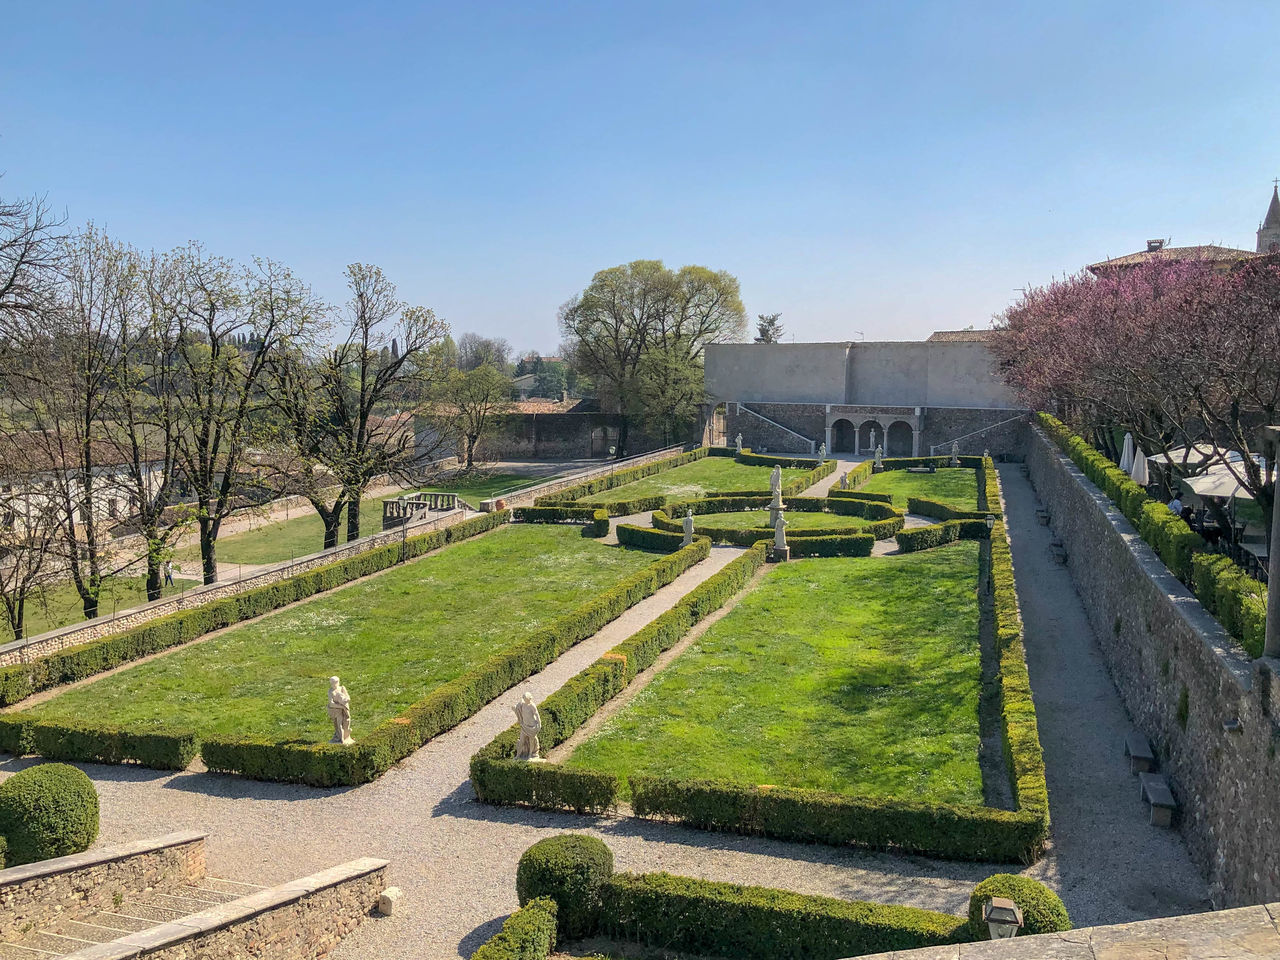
[{"x": 1108, "y": 863}]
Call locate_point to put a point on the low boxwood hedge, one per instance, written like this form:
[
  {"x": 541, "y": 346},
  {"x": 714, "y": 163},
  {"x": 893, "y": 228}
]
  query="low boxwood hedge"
[
  {"x": 595, "y": 518},
  {"x": 326, "y": 765},
  {"x": 499, "y": 778},
  {"x": 837, "y": 545},
  {"x": 756, "y": 923},
  {"x": 886, "y": 520},
  {"x": 76, "y": 663},
  {"x": 647, "y": 538},
  {"x": 528, "y": 934},
  {"x": 787, "y": 462},
  {"x": 619, "y": 478},
  {"x": 1239, "y": 605},
  {"x": 1042, "y": 909},
  {"x": 943, "y": 511},
  {"x": 47, "y": 811},
  {"x": 569, "y": 869},
  {"x": 935, "y": 535},
  {"x": 89, "y": 742}
]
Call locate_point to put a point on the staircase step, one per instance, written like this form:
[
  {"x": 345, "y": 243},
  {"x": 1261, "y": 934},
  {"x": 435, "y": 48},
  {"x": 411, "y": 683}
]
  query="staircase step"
[
  {"x": 120, "y": 921},
  {"x": 149, "y": 911},
  {"x": 233, "y": 887},
  {"x": 90, "y": 931},
  {"x": 54, "y": 942},
  {"x": 184, "y": 905},
  {"x": 207, "y": 895},
  {"x": 14, "y": 951}
]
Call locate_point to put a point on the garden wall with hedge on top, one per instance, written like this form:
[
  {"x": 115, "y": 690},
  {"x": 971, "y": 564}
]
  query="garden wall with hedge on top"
[
  {"x": 1235, "y": 599},
  {"x": 956, "y": 831}
]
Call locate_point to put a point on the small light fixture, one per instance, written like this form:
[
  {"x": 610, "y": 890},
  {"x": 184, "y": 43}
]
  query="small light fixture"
[
  {"x": 1004, "y": 918},
  {"x": 991, "y": 522}
]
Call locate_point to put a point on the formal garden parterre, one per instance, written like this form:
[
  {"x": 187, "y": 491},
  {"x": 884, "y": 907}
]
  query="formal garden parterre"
[{"x": 955, "y": 827}]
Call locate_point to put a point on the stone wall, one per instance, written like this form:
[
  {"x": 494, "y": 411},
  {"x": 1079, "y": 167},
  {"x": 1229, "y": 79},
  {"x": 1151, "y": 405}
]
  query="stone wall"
[
  {"x": 759, "y": 434},
  {"x": 994, "y": 431},
  {"x": 1211, "y": 713},
  {"x": 557, "y": 436},
  {"x": 76, "y": 886},
  {"x": 301, "y": 920},
  {"x": 19, "y": 651}
]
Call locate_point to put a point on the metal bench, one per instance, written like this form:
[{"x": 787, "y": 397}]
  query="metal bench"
[
  {"x": 1137, "y": 748},
  {"x": 1155, "y": 790}
]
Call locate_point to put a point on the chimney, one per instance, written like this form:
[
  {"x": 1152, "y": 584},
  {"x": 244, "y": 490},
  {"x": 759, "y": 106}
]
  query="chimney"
[{"x": 1155, "y": 246}]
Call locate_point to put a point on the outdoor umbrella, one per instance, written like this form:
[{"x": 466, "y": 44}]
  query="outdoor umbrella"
[
  {"x": 1139, "y": 469},
  {"x": 1217, "y": 481},
  {"x": 1126, "y": 456}
]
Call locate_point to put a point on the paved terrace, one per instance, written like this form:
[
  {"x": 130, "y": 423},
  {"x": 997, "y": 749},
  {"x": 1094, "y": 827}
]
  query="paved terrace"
[{"x": 455, "y": 858}]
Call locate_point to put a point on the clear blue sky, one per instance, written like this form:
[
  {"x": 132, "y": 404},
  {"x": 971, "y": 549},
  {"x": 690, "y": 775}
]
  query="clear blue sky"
[{"x": 888, "y": 168}]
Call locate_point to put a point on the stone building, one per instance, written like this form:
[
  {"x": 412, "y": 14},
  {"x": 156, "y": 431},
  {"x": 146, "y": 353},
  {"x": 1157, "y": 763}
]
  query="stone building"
[{"x": 916, "y": 396}]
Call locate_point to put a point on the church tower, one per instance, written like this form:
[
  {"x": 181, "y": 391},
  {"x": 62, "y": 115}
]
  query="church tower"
[{"x": 1269, "y": 232}]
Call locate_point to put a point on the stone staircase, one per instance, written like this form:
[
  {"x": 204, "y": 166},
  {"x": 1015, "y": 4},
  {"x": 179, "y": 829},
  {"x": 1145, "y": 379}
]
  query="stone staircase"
[
  {"x": 133, "y": 914},
  {"x": 154, "y": 899}
]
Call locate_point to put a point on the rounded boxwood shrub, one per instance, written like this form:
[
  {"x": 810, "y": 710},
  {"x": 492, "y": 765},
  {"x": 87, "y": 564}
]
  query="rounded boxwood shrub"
[
  {"x": 47, "y": 811},
  {"x": 1042, "y": 909},
  {"x": 569, "y": 869}
]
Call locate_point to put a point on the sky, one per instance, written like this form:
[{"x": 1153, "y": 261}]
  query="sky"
[{"x": 868, "y": 170}]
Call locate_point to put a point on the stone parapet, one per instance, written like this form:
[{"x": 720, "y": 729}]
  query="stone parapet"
[
  {"x": 76, "y": 886},
  {"x": 1209, "y": 710}
]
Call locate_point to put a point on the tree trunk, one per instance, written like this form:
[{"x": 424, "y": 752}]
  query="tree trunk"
[
  {"x": 353, "y": 516},
  {"x": 19, "y": 618},
  {"x": 472, "y": 440},
  {"x": 208, "y": 554},
  {"x": 331, "y": 521},
  {"x": 623, "y": 429},
  {"x": 154, "y": 585}
]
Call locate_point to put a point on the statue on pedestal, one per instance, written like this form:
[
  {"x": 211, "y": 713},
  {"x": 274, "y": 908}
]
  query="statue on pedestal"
[
  {"x": 844, "y": 480},
  {"x": 737, "y": 443},
  {"x": 526, "y": 711},
  {"x": 688, "y": 527},
  {"x": 775, "y": 480},
  {"x": 955, "y": 453},
  {"x": 822, "y": 452},
  {"x": 873, "y": 438},
  {"x": 340, "y": 711},
  {"x": 879, "y": 456}
]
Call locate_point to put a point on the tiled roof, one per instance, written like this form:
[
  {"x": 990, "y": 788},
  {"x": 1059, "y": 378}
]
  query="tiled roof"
[
  {"x": 960, "y": 336},
  {"x": 1205, "y": 252}
]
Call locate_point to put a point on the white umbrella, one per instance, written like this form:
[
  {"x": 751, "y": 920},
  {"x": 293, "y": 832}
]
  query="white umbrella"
[
  {"x": 1126, "y": 456},
  {"x": 1217, "y": 481},
  {"x": 1139, "y": 469}
]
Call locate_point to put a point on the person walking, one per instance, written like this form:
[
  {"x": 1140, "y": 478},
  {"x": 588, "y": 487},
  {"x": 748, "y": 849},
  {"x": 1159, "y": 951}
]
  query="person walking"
[{"x": 167, "y": 567}]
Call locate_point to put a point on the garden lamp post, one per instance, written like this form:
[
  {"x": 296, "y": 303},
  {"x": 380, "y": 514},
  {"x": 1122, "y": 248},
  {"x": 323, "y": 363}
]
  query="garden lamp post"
[
  {"x": 1004, "y": 918},
  {"x": 1271, "y": 645},
  {"x": 991, "y": 523}
]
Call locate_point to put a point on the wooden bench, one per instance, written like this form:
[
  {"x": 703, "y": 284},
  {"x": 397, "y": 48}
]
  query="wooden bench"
[
  {"x": 1137, "y": 748},
  {"x": 1155, "y": 790}
]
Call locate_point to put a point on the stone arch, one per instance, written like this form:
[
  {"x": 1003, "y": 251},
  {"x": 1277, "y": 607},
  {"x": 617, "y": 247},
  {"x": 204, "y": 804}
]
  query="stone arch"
[
  {"x": 899, "y": 439},
  {"x": 843, "y": 436},
  {"x": 864, "y": 436}
]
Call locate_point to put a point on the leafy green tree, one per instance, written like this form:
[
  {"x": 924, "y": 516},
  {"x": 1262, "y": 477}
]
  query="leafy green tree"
[{"x": 470, "y": 399}]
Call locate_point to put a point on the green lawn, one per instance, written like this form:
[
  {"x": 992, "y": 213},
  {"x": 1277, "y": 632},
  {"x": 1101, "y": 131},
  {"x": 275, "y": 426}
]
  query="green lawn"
[
  {"x": 955, "y": 486},
  {"x": 695, "y": 480},
  {"x": 303, "y": 533},
  {"x": 60, "y": 605},
  {"x": 391, "y": 638},
  {"x": 859, "y": 676},
  {"x": 796, "y": 520}
]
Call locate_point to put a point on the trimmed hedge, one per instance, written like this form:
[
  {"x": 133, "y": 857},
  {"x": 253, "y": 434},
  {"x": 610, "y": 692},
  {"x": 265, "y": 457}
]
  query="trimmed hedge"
[
  {"x": 1042, "y": 909},
  {"x": 935, "y": 535},
  {"x": 499, "y": 778},
  {"x": 76, "y": 663},
  {"x": 47, "y": 811},
  {"x": 327, "y": 765},
  {"x": 777, "y": 460},
  {"x": 88, "y": 742},
  {"x": 888, "y": 520},
  {"x": 943, "y": 511},
  {"x": 756, "y": 923},
  {"x": 569, "y": 869},
  {"x": 647, "y": 538},
  {"x": 619, "y": 478},
  {"x": 906, "y": 463},
  {"x": 528, "y": 934},
  {"x": 596, "y": 519},
  {"x": 1234, "y": 599},
  {"x": 838, "y": 545}
]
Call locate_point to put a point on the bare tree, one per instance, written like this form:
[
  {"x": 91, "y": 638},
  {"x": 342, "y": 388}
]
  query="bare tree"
[
  {"x": 29, "y": 533},
  {"x": 30, "y": 252},
  {"x": 475, "y": 351}
]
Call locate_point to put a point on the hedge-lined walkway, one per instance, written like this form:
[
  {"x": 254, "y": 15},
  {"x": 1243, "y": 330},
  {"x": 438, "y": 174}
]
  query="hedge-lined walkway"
[{"x": 1107, "y": 862}]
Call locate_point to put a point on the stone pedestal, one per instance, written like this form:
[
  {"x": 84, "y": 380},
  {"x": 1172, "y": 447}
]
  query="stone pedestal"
[{"x": 779, "y": 554}]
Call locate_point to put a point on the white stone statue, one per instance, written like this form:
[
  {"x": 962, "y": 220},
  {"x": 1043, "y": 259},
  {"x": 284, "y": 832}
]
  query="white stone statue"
[
  {"x": 688, "y": 527},
  {"x": 955, "y": 453},
  {"x": 780, "y": 534},
  {"x": 873, "y": 438},
  {"x": 879, "y": 456},
  {"x": 528, "y": 747},
  {"x": 737, "y": 443},
  {"x": 775, "y": 479},
  {"x": 340, "y": 711},
  {"x": 844, "y": 480},
  {"x": 822, "y": 452}
]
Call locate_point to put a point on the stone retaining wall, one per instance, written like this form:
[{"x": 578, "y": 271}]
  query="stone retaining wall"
[
  {"x": 1211, "y": 713},
  {"x": 19, "y": 651},
  {"x": 300, "y": 920},
  {"x": 76, "y": 886}
]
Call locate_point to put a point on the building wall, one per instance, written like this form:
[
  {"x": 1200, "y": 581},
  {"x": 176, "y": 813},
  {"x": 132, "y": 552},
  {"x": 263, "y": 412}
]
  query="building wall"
[
  {"x": 913, "y": 374},
  {"x": 1212, "y": 714},
  {"x": 794, "y": 372}
]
